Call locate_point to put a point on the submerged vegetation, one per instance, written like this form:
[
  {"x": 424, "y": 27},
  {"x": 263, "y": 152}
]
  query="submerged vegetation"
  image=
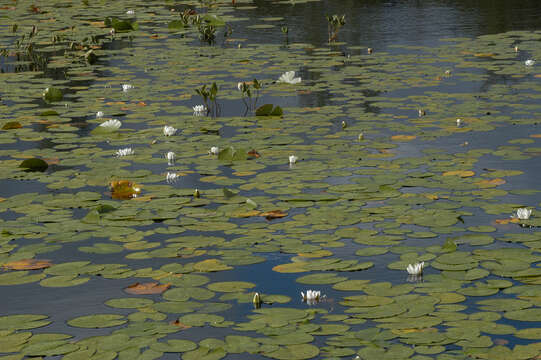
[{"x": 394, "y": 189}]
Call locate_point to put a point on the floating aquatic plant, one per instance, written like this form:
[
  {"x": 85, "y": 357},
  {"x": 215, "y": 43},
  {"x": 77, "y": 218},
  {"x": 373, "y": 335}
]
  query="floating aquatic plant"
[
  {"x": 169, "y": 130},
  {"x": 124, "y": 189},
  {"x": 523, "y": 213},
  {"x": 111, "y": 125},
  {"x": 415, "y": 269},
  {"x": 199, "y": 110},
  {"x": 215, "y": 150},
  {"x": 170, "y": 156},
  {"x": 529, "y": 62},
  {"x": 293, "y": 159},
  {"x": 124, "y": 152},
  {"x": 127, "y": 87},
  {"x": 171, "y": 178},
  {"x": 289, "y": 78},
  {"x": 311, "y": 297}
]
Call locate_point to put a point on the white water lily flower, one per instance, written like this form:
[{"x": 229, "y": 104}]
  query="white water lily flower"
[
  {"x": 170, "y": 156},
  {"x": 458, "y": 122},
  {"x": 289, "y": 78},
  {"x": 523, "y": 213},
  {"x": 199, "y": 110},
  {"x": 293, "y": 159},
  {"x": 99, "y": 114},
  {"x": 312, "y": 296},
  {"x": 112, "y": 124},
  {"x": 124, "y": 152},
  {"x": 126, "y": 87},
  {"x": 239, "y": 86},
  {"x": 130, "y": 12},
  {"x": 169, "y": 130},
  {"x": 215, "y": 150},
  {"x": 529, "y": 62},
  {"x": 171, "y": 178},
  {"x": 416, "y": 269}
]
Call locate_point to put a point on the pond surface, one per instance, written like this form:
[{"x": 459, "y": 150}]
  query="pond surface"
[{"x": 135, "y": 226}]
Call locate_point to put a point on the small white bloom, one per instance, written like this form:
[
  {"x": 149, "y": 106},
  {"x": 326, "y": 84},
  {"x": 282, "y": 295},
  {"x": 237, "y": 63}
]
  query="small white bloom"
[
  {"x": 126, "y": 87},
  {"x": 99, "y": 114},
  {"x": 170, "y": 156},
  {"x": 289, "y": 78},
  {"x": 199, "y": 110},
  {"x": 523, "y": 213},
  {"x": 447, "y": 72},
  {"x": 130, "y": 12},
  {"x": 458, "y": 122},
  {"x": 239, "y": 86},
  {"x": 416, "y": 269},
  {"x": 311, "y": 297},
  {"x": 112, "y": 31},
  {"x": 169, "y": 130},
  {"x": 215, "y": 150},
  {"x": 171, "y": 178},
  {"x": 529, "y": 62},
  {"x": 124, "y": 152},
  {"x": 112, "y": 124},
  {"x": 293, "y": 159}
]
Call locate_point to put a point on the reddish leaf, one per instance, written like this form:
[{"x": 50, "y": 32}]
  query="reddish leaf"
[
  {"x": 253, "y": 154},
  {"x": 28, "y": 264},
  {"x": 182, "y": 326},
  {"x": 12, "y": 125},
  {"x": 147, "y": 288},
  {"x": 274, "y": 214},
  {"x": 124, "y": 189}
]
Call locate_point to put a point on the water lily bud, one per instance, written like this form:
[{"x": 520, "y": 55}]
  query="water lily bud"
[
  {"x": 369, "y": 50},
  {"x": 361, "y": 137},
  {"x": 196, "y": 193},
  {"x": 257, "y": 300},
  {"x": 344, "y": 124}
]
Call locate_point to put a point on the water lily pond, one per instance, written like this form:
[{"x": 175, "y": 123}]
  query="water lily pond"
[{"x": 268, "y": 179}]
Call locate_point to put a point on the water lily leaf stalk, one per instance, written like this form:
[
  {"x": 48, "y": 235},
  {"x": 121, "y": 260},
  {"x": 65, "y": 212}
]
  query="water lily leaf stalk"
[
  {"x": 209, "y": 96},
  {"x": 334, "y": 23},
  {"x": 250, "y": 101}
]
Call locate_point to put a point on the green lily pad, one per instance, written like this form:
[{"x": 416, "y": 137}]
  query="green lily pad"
[{"x": 97, "y": 321}]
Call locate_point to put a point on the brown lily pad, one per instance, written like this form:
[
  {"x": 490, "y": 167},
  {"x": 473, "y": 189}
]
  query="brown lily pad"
[
  {"x": 28, "y": 264},
  {"x": 147, "y": 288}
]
